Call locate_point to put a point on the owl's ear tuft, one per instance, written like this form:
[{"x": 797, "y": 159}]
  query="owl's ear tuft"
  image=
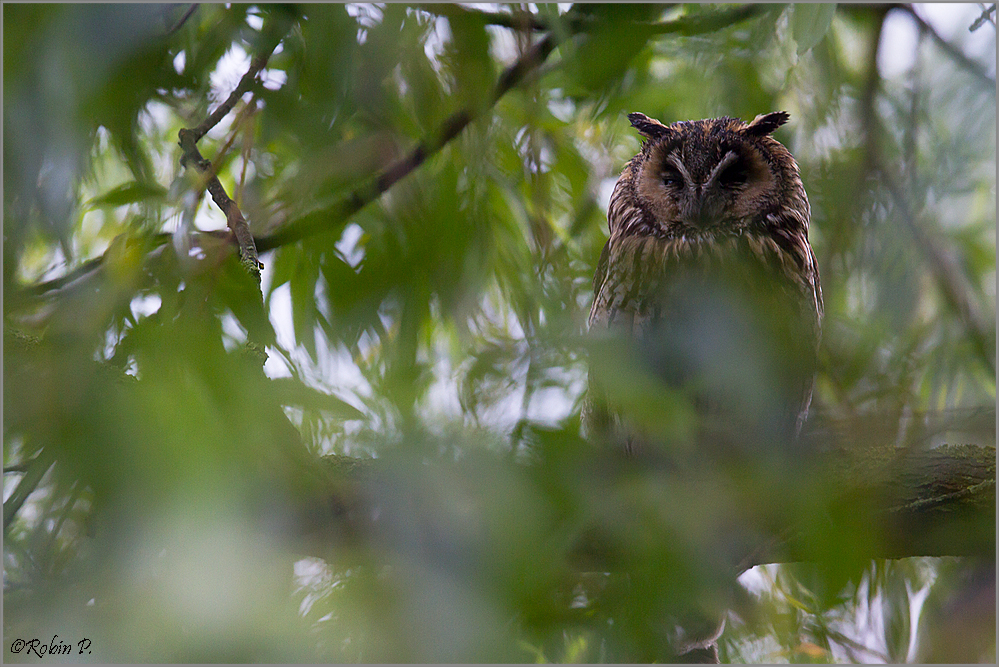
[
  {"x": 647, "y": 127},
  {"x": 764, "y": 124}
]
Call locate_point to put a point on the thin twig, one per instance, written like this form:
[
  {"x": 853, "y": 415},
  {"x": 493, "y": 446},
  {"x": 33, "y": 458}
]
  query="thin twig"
[
  {"x": 516, "y": 20},
  {"x": 872, "y": 83},
  {"x": 237, "y": 125},
  {"x": 950, "y": 49},
  {"x": 247, "y": 148},
  {"x": 985, "y": 17},
  {"x": 42, "y": 288},
  {"x": 37, "y": 468},
  {"x": 947, "y": 274},
  {"x": 47, "y": 288},
  {"x": 855, "y": 646},
  {"x": 257, "y": 64},
  {"x": 74, "y": 494},
  {"x": 183, "y": 19}
]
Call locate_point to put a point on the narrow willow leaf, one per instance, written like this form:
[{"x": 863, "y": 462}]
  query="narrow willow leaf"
[
  {"x": 810, "y": 23},
  {"x": 128, "y": 193},
  {"x": 290, "y": 391}
]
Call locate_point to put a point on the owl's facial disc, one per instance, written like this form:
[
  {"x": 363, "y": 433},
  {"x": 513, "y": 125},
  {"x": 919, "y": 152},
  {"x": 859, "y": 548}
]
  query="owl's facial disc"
[
  {"x": 703, "y": 185},
  {"x": 703, "y": 197}
]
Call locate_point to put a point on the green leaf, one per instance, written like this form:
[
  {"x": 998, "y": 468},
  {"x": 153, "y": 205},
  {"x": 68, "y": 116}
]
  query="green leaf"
[
  {"x": 536, "y": 652},
  {"x": 575, "y": 650},
  {"x": 303, "y": 303},
  {"x": 810, "y": 23},
  {"x": 470, "y": 60},
  {"x": 128, "y": 193},
  {"x": 215, "y": 35},
  {"x": 238, "y": 291},
  {"x": 290, "y": 391}
]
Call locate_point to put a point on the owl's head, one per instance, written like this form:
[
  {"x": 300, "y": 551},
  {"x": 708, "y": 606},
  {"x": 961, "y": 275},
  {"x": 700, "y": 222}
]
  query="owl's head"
[{"x": 707, "y": 178}]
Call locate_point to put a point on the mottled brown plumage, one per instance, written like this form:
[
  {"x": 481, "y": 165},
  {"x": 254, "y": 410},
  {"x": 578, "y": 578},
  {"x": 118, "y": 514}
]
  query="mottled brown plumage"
[{"x": 708, "y": 269}]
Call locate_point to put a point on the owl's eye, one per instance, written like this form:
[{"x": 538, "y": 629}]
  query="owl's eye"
[
  {"x": 672, "y": 177},
  {"x": 734, "y": 175}
]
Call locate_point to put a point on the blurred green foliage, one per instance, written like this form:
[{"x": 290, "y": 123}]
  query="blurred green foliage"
[{"x": 156, "y": 466}]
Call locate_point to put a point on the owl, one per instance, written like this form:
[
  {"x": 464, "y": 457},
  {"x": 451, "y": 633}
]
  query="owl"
[
  {"x": 709, "y": 276},
  {"x": 709, "y": 282}
]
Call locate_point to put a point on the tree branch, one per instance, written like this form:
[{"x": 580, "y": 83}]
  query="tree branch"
[
  {"x": 395, "y": 172},
  {"x": 183, "y": 19},
  {"x": 458, "y": 121},
  {"x": 48, "y": 287},
  {"x": 953, "y": 51},
  {"x": 890, "y": 503},
  {"x": 37, "y": 467},
  {"x": 354, "y": 202},
  {"x": 872, "y": 82},
  {"x": 688, "y": 25},
  {"x": 698, "y": 24},
  {"x": 18, "y": 467},
  {"x": 936, "y": 502},
  {"x": 516, "y": 19},
  {"x": 244, "y": 85},
  {"x": 984, "y": 17},
  {"x": 233, "y": 216},
  {"x": 947, "y": 274},
  {"x": 188, "y": 143}
]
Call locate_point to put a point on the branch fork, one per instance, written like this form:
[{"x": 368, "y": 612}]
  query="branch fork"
[
  {"x": 192, "y": 158},
  {"x": 234, "y": 217}
]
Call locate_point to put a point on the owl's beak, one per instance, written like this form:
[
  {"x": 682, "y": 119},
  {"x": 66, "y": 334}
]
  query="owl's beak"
[
  {"x": 701, "y": 208},
  {"x": 705, "y": 203}
]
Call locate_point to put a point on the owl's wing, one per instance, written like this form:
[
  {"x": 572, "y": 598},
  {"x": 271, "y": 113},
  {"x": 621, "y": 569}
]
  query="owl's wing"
[
  {"x": 678, "y": 301},
  {"x": 599, "y": 304},
  {"x": 624, "y": 273},
  {"x": 814, "y": 308},
  {"x": 614, "y": 303}
]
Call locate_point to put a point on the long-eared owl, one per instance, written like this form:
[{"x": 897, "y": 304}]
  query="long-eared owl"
[{"x": 709, "y": 276}]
